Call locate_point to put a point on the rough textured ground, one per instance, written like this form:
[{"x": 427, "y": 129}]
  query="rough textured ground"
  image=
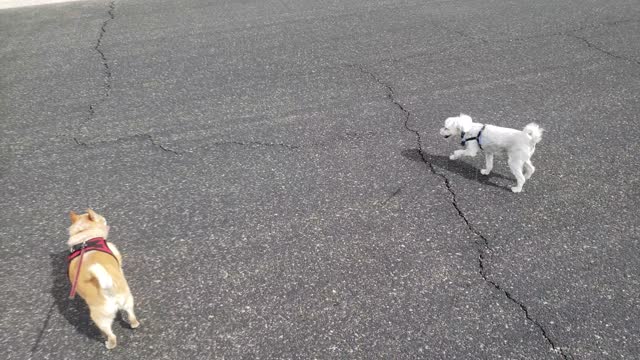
[{"x": 272, "y": 172}]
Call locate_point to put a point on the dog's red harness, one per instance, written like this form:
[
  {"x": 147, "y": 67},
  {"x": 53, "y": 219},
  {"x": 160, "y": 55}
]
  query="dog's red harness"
[
  {"x": 99, "y": 244},
  {"x": 95, "y": 244}
]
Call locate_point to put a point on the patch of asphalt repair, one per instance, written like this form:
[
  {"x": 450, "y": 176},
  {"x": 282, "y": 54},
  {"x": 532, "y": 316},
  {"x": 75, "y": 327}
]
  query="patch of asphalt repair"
[{"x": 483, "y": 246}]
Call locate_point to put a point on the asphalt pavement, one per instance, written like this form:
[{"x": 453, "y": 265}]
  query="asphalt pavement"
[{"x": 273, "y": 175}]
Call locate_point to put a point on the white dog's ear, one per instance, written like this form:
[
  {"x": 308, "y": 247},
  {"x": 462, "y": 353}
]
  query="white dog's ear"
[{"x": 464, "y": 122}]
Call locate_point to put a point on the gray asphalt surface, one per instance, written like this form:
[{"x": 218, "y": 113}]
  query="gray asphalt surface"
[{"x": 272, "y": 173}]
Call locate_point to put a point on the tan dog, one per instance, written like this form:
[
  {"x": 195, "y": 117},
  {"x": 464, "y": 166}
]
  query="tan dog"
[{"x": 101, "y": 282}]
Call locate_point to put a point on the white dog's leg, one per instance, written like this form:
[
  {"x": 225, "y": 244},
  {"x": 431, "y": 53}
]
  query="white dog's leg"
[
  {"x": 460, "y": 153},
  {"x": 529, "y": 169},
  {"x": 516, "y": 168},
  {"x": 456, "y": 154},
  {"x": 488, "y": 157}
]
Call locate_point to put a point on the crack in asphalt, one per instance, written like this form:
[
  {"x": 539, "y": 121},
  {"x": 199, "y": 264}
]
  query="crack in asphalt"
[
  {"x": 157, "y": 144},
  {"x": 569, "y": 32},
  {"x": 394, "y": 194},
  {"x": 523, "y": 307},
  {"x": 78, "y": 142},
  {"x": 143, "y": 137},
  {"x": 154, "y": 142},
  {"x": 572, "y": 34},
  {"x": 483, "y": 242},
  {"x": 604, "y": 24},
  {"x": 255, "y": 143},
  {"x": 97, "y": 48},
  {"x": 462, "y": 33},
  {"x": 609, "y": 53},
  {"x": 105, "y": 63}
]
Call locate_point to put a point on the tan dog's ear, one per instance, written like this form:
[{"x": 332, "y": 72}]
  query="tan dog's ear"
[
  {"x": 92, "y": 215},
  {"x": 74, "y": 217}
]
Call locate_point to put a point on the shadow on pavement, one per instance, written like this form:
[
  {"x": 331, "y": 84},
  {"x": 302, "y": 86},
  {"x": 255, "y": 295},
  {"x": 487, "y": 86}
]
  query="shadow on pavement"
[
  {"x": 75, "y": 311},
  {"x": 456, "y": 166}
]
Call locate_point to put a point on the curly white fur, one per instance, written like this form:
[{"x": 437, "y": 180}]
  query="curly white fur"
[{"x": 519, "y": 145}]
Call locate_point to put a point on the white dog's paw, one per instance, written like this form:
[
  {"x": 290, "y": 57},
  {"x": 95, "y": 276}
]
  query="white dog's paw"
[
  {"x": 453, "y": 157},
  {"x": 516, "y": 189},
  {"x": 485, "y": 172}
]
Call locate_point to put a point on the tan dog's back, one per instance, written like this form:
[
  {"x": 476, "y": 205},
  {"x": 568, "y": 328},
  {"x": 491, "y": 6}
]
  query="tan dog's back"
[{"x": 88, "y": 286}]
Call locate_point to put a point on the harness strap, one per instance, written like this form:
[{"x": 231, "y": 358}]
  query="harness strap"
[
  {"x": 476, "y": 138},
  {"x": 98, "y": 244},
  {"x": 74, "y": 285}
]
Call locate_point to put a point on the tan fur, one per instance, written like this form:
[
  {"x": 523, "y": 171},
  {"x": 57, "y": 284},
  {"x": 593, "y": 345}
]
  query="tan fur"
[{"x": 103, "y": 303}]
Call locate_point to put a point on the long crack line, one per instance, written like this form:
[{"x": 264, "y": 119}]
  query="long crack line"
[
  {"x": 606, "y": 52},
  {"x": 454, "y": 202},
  {"x": 144, "y": 137},
  {"x": 98, "y": 48},
  {"x": 152, "y": 140},
  {"x": 483, "y": 242},
  {"x": 157, "y": 144},
  {"x": 556, "y": 348},
  {"x": 255, "y": 143},
  {"x": 105, "y": 63}
]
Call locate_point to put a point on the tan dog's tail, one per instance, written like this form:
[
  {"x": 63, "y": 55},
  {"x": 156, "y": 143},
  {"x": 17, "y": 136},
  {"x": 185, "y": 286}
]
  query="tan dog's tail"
[{"x": 100, "y": 273}]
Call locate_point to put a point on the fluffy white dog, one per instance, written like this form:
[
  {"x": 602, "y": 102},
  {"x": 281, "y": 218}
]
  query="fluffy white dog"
[{"x": 491, "y": 139}]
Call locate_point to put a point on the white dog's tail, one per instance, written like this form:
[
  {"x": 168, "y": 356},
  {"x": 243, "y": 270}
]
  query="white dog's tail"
[
  {"x": 534, "y": 131},
  {"x": 100, "y": 273}
]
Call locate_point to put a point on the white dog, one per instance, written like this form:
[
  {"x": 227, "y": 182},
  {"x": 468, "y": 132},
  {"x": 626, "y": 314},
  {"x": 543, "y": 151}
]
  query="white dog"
[{"x": 491, "y": 139}]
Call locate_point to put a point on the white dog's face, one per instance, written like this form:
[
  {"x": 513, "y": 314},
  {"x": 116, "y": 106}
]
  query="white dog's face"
[
  {"x": 455, "y": 125},
  {"x": 450, "y": 127}
]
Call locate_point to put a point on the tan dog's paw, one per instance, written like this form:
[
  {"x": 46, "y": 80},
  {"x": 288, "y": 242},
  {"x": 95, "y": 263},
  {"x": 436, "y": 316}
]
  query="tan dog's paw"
[
  {"x": 135, "y": 324},
  {"x": 111, "y": 343}
]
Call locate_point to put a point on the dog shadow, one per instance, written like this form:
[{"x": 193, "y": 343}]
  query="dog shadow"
[
  {"x": 461, "y": 168},
  {"x": 74, "y": 311}
]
